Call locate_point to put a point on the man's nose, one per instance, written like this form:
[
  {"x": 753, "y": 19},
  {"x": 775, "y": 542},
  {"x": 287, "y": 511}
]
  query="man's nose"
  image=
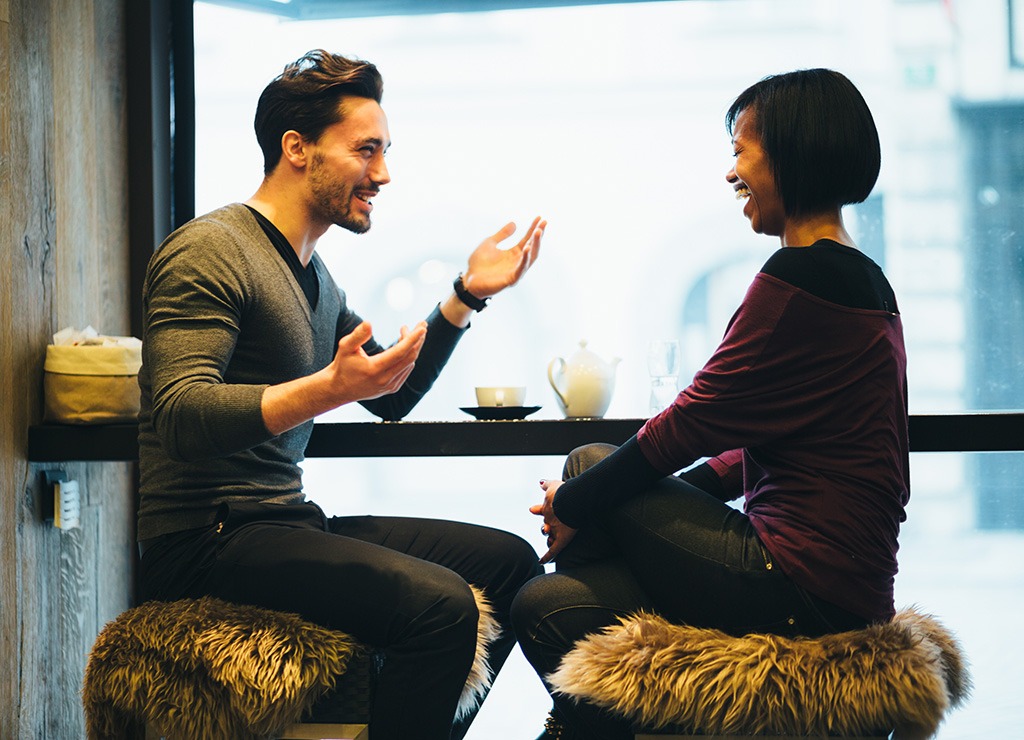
[{"x": 379, "y": 171}]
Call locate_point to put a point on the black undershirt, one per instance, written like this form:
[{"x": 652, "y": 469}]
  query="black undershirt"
[
  {"x": 835, "y": 273},
  {"x": 305, "y": 276}
]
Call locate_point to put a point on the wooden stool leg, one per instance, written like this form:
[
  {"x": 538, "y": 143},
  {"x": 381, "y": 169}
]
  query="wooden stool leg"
[{"x": 310, "y": 731}]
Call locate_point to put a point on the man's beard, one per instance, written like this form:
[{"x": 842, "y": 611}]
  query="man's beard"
[{"x": 334, "y": 202}]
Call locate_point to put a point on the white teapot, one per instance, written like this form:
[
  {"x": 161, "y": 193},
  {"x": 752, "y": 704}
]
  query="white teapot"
[{"x": 583, "y": 385}]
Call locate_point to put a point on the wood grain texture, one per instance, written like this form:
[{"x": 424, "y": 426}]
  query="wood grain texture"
[
  {"x": 63, "y": 262},
  {"x": 8, "y": 485}
]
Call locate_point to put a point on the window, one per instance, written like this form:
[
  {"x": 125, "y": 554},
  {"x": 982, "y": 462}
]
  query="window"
[{"x": 608, "y": 120}]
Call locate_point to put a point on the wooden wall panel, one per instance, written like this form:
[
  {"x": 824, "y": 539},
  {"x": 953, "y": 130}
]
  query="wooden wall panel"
[
  {"x": 63, "y": 262},
  {"x": 9, "y": 485}
]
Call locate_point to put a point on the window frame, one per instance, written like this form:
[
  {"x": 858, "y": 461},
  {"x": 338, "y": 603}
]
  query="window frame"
[{"x": 161, "y": 133}]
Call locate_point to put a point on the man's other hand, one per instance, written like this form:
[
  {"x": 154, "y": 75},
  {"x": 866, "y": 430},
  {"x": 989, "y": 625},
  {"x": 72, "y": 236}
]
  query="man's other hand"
[
  {"x": 357, "y": 376},
  {"x": 353, "y": 375}
]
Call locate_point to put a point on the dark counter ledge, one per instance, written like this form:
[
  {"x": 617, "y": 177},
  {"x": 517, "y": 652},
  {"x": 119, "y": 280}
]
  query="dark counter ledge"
[{"x": 962, "y": 432}]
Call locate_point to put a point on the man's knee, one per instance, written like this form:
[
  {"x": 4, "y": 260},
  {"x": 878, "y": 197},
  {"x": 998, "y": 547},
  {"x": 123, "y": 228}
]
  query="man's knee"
[
  {"x": 505, "y": 561},
  {"x": 436, "y": 605},
  {"x": 585, "y": 456},
  {"x": 457, "y": 606},
  {"x": 523, "y": 559}
]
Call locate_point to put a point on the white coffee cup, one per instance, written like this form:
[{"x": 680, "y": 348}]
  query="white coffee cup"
[{"x": 500, "y": 395}]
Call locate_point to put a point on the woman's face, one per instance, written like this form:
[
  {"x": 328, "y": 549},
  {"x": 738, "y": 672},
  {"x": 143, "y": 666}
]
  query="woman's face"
[{"x": 751, "y": 177}]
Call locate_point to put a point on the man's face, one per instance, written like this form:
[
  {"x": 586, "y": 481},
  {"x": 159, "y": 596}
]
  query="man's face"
[{"x": 346, "y": 168}]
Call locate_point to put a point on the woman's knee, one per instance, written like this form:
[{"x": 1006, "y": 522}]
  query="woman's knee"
[
  {"x": 529, "y": 612},
  {"x": 526, "y": 608},
  {"x": 540, "y": 599},
  {"x": 574, "y": 602},
  {"x": 550, "y": 614},
  {"x": 585, "y": 456}
]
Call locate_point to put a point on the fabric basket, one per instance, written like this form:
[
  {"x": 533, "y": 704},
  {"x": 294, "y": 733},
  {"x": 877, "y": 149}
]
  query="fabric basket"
[{"x": 91, "y": 384}]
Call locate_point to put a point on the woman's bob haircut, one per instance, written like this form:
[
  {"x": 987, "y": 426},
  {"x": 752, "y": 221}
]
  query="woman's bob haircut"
[{"x": 819, "y": 136}]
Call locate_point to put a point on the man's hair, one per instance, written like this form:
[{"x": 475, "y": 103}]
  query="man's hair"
[
  {"x": 819, "y": 136},
  {"x": 306, "y": 97}
]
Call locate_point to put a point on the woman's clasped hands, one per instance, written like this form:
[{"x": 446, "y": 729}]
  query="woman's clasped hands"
[{"x": 559, "y": 535}]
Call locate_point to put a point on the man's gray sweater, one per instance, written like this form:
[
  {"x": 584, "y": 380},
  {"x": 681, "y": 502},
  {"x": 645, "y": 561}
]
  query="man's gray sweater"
[{"x": 224, "y": 318}]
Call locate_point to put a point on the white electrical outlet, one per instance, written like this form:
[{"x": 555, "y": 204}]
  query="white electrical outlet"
[{"x": 67, "y": 506}]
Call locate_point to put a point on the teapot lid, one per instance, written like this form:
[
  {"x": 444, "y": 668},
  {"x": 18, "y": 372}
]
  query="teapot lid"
[{"x": 583, "y": 355}]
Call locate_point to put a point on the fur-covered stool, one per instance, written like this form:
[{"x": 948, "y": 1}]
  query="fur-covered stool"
[
  {"x": 900, "y": 678},
  {"x": 204, "y": 668}
]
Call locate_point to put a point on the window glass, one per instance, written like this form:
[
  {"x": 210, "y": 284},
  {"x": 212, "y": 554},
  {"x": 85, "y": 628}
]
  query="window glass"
[{"x": 608, "y": 120}]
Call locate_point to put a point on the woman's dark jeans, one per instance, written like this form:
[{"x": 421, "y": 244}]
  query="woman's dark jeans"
[{"x": 674, "y": 550}]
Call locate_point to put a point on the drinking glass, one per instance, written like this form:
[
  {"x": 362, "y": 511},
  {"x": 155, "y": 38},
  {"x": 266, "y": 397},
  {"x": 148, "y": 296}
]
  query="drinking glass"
[{"x": 663, "y": 357}]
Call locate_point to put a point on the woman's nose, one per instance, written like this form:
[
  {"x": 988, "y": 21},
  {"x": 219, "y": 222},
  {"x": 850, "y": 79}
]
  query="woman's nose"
[{"x": 730, "y": 176}]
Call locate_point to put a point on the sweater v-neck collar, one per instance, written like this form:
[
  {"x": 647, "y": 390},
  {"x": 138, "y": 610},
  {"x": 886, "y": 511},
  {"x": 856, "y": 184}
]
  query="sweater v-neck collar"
[{"x": 306, "y": 279}]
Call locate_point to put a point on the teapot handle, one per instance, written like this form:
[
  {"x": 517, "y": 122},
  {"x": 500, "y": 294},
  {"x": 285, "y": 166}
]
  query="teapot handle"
[{"x": 556, "y": 368}]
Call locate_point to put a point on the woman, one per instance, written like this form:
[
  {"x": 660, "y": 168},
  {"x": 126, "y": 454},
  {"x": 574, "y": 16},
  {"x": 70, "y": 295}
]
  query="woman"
[{"x": 801, "y": 410}]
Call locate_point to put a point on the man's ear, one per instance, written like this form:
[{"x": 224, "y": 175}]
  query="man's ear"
[{"x": 294, "y": 149}]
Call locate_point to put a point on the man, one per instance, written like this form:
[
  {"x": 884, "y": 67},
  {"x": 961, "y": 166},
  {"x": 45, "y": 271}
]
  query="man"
[{"x": 246, "y": 340}]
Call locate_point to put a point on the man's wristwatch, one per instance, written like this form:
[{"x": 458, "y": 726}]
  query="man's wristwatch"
[{"x": 477, "y": 304}]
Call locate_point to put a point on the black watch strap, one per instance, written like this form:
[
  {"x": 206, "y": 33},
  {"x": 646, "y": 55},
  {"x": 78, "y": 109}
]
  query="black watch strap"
[{"x": 477, "y": 304}]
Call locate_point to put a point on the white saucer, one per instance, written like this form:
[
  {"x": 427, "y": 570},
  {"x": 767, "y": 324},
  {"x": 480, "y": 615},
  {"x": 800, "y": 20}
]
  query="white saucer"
[{"x": 499, "y": 413}]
